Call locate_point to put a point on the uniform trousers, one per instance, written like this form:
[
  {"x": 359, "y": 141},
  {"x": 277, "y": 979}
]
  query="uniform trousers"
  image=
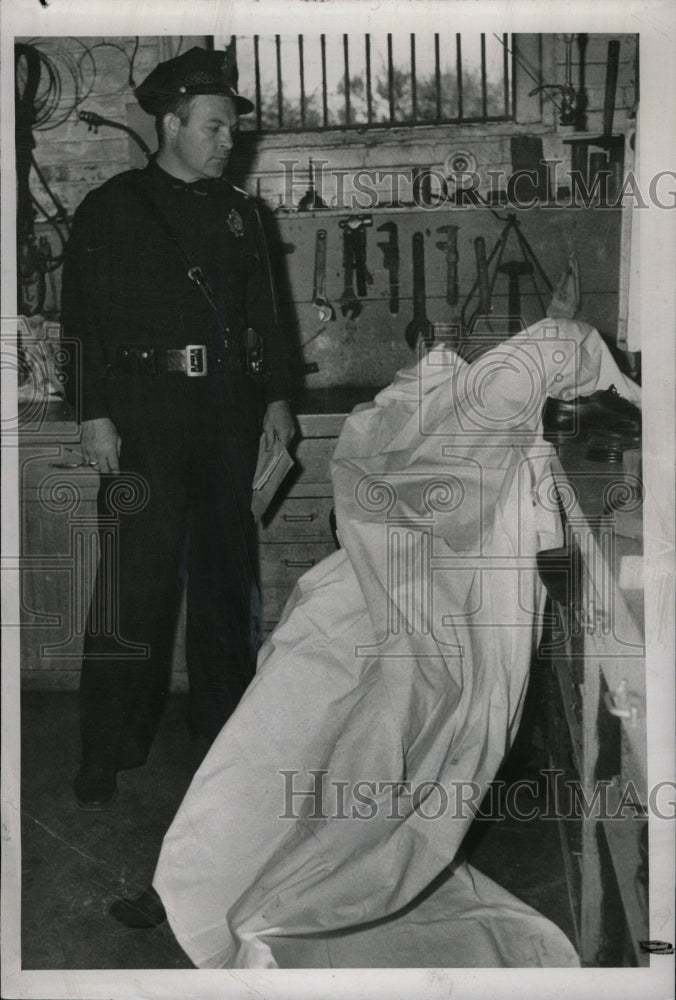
[{"x": 180, "y": 504}]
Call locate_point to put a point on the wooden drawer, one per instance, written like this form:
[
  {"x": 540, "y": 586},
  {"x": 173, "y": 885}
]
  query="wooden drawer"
[
  {"x": 42, "y": 470},
  {"x": 302, "y": 518},
  {"x": 310, "y": 475},
  {"x": 601, "y": 715},
  {"x": 58, "y": 529},
  {"x": 274, "y": 599},
  {"x": 282, "y": 563}
]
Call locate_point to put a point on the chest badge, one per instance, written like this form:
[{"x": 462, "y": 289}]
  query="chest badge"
[{"x": 235, "y": 223}]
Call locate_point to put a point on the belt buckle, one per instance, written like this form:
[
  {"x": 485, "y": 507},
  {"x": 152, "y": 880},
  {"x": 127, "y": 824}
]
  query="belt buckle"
[{"x": 195, "y": 360}]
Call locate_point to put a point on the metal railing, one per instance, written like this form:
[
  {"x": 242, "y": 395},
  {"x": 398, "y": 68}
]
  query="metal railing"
[{"x": 318, "y": 82}]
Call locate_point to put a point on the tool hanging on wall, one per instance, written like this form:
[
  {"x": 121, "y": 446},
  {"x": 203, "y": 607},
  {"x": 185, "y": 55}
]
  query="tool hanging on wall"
[
  {"x": 485, "y": 303},
  {"x": 487, "y": 274},
  {"x": 515, "y": 270},
  {"x": 612, "y": 144},
  {"x": 391, "y": 263},
  {"x": 363, "y": 275},
  {"x": 350, "y": 306},
  {"x": 420, "y": 327},
  {"x": 319, "y": 299},
  {"x": 356, "y": 225},
  {"x": 566, "y": 297},
  {"x": 566, "y": 90},
  {"x": 450, "y": 246},
  {"x": 581, "y": 99},
  {"x": 544, "y": 89},
  {"x": 312, "y": 198}
]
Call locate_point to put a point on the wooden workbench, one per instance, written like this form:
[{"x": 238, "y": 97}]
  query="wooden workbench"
[{"x": 597, "y": 718}]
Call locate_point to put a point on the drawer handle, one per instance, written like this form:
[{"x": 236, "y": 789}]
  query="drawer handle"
[
  {"x": 299, "y": 563},
  {"x": 298, "y": 517},
  {"x": 622, "y": 704}
]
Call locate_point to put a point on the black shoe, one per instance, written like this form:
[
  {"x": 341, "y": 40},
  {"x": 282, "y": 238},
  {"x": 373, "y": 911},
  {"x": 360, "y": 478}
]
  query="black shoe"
[
  {"x": 95, "y": 786},
  {"x": 144, "y": 911},
  {"x": 605, "y": 410}
]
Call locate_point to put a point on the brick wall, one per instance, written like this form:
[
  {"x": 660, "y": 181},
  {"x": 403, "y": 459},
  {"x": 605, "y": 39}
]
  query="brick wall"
[{"x": 73, "y": 159}]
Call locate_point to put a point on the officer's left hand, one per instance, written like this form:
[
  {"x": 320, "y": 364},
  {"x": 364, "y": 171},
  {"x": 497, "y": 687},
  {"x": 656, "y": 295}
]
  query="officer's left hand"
[{"x": 278, "y": 423}]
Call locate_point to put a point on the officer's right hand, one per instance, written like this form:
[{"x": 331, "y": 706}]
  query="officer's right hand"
[{"x": 101, "y": 444}]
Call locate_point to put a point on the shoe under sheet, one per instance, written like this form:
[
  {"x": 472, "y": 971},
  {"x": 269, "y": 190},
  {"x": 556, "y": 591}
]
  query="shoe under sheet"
[{"x": 400, "y": 661}]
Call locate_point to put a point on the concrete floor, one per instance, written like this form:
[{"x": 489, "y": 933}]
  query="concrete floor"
[{"x": 76, "y": 863}]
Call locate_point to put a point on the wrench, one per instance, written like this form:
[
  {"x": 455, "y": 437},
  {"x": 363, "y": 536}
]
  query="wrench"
[
  {"x": 364, "y": 276},
  {"x": 356, "y": 224},
  {"x": 350, "y": 306},
  {"x": 391, "y": 262},
  {"x": 319, "y": 299},
  {"x": 420, "y": 328},
  {"x": 451, "y": 248}
]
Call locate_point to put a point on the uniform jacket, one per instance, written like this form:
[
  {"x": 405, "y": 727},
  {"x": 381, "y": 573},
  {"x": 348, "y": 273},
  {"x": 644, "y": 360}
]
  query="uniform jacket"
[{"x": 125, "y": 282}]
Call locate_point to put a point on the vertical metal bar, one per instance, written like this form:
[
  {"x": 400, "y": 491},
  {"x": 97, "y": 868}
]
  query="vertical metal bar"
[
  {"x": 512, "y": 46},
  {"x": 233, "y": 46},
  {"x": 458, "y": 69},
  {"x": 484, "y": 92},
  {"x": 390, "y": 78},
  {"x": 301, "y": 64},
  {"x": 414, "y": 83},
  {"x": 505, "y": 73},
  {"x": 369, "y": 95},
  {"x": 280, "y": 99},
  {"x": 437, "y": 75},
  {"x": 346, "y": 59},
  {"x": 325, "y": 105},
  {"x": 257, "y": 70}
]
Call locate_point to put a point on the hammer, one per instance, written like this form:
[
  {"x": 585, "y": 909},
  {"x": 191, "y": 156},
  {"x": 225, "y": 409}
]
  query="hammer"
[{"x": 515, "y": 269}]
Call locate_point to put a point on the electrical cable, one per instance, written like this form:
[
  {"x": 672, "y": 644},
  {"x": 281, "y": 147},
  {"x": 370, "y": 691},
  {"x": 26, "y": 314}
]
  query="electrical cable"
[
  {"x": 132, "y": 81},
  {"x": 523, "y": 66},
  {"x": 51, "y": 81},
  {"x": 56, "y": 260},
  {"x": 87, "y": 52},
  {"x": 123, "y": 87},
  {"x": 57, "y": 65},
  {"x": 61, "y": 213}
]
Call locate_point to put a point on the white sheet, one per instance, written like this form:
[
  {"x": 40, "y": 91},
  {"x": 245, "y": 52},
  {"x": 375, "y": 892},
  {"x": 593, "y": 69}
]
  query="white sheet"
[{"x": 403, "y": 657}]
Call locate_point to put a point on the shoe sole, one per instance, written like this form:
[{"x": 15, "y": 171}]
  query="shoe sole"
[
  {"x": 135, "y": 916},
  {"x": 96, "y": 806},
  {"x": 626, "y": 440}
]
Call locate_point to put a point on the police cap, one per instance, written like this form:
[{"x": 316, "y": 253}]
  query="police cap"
[{"x": 196, "y": 71}]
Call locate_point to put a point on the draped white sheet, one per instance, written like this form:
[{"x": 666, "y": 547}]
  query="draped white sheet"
[{"x": 403, "y": 658}]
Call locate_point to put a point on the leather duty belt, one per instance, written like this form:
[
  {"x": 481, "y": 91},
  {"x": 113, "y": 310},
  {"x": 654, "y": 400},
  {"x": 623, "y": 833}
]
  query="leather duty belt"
[{"x": 193, "y": 360}]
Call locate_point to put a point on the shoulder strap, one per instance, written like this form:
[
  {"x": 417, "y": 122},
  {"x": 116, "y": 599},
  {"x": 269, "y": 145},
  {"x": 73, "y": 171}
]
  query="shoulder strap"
[{"x": 194, "y": 271}]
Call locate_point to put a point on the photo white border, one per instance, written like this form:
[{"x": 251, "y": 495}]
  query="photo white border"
[{"x": 656, "y": 23}]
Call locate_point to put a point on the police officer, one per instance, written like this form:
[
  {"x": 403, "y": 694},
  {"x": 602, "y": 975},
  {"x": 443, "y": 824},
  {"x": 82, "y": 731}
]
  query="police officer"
[{"x": 167, "y": 288}]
